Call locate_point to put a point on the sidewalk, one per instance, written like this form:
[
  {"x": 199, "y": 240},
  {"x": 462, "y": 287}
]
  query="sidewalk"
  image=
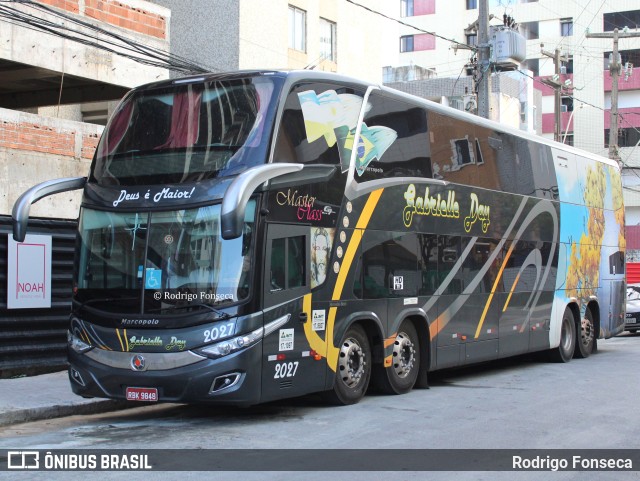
[{"x": 44, "y": 397}]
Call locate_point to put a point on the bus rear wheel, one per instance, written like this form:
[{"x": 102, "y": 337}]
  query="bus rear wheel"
[
  {"x": 564, "y": 352},
  {"x": 354, "y": 368},
  {"x": 585, "y": 335},
  {"x": 400, "y": 377}
]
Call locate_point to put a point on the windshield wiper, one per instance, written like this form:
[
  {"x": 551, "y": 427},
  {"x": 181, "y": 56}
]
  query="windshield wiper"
[
  {"x": 221, "y": 314},
  {"x": 104, "y": 299}
]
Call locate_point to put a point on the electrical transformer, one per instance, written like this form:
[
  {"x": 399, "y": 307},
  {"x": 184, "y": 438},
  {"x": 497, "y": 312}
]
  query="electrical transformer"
[{"x": 508, "y": 48}]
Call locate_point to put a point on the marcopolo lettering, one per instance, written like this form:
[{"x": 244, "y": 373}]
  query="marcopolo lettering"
[{"x": 139, "y": 322}]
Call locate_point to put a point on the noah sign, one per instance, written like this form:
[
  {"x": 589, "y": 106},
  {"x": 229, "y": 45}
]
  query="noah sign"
[{"x": 29, "y": 272}]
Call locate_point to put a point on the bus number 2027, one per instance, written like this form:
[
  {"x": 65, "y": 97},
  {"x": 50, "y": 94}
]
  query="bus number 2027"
[
  {"x": 218, "y": 332},
  {"x": 286, "y": 369}
]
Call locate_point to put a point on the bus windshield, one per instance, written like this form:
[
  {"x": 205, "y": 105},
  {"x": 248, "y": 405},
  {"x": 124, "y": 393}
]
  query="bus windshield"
[
  {"x": 155, "y": 262},
  {"x": 187, "y": 133}
]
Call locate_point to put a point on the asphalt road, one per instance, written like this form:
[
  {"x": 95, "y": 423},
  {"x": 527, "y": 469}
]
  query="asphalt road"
[{"x": 520, "y": 403}]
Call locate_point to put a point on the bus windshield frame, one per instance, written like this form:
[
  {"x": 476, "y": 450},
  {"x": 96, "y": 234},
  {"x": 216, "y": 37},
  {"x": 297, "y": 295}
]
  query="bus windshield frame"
[
  {"x": 187, "y": 133},
  {"x": 162, "y": 261}
]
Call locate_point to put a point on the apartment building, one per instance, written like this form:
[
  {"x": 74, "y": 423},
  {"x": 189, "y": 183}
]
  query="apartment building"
[
  {"x": 547, "y": 25},
  {"x": 331, "y": 35}
]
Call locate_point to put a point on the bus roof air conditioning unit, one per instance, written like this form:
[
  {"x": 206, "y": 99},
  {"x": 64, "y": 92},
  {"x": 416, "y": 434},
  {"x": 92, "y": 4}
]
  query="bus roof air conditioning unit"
[{"x": 508, "y": 48}]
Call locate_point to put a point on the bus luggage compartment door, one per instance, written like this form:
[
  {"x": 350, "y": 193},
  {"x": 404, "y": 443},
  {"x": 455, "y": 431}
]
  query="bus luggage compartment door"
[{"x": 290, "y": 367}]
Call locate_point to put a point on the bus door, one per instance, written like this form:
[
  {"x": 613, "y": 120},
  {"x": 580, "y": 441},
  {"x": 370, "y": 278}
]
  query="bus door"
[{"x": 289, "y": 367}]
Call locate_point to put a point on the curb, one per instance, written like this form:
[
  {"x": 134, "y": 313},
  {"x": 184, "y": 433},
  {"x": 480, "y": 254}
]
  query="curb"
[{"x": 57, "y": 411}]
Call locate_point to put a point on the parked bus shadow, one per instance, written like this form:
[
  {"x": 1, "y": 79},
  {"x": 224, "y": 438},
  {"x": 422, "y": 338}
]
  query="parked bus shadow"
[
  {"x": 293, "y": 408},
  {"x": 296, "y": 408},
  {"x": 449, "y": 377}
]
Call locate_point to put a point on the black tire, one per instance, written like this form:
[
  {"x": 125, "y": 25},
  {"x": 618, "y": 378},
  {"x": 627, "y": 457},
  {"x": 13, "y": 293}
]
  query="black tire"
[
  {"x": 585, "y": 336},
  {"x": 400, "y": 377},
  {"x": 564, "y": 352},
  {"x": 353, "y": 371}
]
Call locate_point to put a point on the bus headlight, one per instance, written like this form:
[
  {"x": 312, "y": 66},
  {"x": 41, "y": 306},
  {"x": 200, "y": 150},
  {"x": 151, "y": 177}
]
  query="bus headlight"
[
  {"x": 228, "y": 346},
  {"x": 77, "y": 344}
]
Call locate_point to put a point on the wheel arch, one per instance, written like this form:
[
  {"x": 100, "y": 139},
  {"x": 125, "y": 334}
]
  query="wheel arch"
[
  {"x": 418, "y": 317},
  {"x": 594, "y": 308},
  {"x": 575, "y": 310},
  {"x": 421, "y": 324}
]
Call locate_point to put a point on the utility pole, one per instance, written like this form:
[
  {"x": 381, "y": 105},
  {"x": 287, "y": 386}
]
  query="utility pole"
[
  {"x": 614, "y": 68},
  {"x": 557, "y": 86},
  {"x": 484, "y": 63}
]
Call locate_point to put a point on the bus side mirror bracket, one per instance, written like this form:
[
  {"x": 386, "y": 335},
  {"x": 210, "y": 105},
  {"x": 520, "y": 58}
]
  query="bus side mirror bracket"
[
  {"x": 240, "y": 190},
  {"x": 20, "y": 212}
]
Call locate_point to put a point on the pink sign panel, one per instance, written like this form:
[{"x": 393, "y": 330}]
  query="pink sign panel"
[{"x": 29, "y": 272}]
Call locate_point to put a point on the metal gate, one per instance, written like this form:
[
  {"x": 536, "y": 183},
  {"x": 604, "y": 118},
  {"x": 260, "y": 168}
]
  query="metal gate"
[
  {"x": 633, "y": 272},
  {"x": 34, "y": 341}
]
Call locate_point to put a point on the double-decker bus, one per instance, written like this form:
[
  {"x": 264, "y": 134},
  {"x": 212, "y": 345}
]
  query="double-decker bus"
[{"x": 252, "y": 236}]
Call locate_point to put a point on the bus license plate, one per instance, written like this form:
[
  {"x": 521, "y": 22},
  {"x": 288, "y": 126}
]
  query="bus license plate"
[{"x": 147, "y": 394}]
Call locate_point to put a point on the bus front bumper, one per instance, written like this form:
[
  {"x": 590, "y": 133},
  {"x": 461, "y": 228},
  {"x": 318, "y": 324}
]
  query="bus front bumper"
[{"x": 230, "y": 380}]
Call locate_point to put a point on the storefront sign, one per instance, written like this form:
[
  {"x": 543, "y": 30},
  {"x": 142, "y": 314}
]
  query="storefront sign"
[{"x": 29, "y": 272}]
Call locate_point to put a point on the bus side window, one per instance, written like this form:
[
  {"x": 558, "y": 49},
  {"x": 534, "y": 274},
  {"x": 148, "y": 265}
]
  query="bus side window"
[
  {"x": 288, "y": 263},
  {"x": 277, "y": 264},
  {"x": 428, "y": 263}
]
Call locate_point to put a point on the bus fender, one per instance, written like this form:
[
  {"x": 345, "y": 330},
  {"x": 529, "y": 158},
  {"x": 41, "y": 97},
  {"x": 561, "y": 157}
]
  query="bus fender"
[
  {"x": 372, "y": 325},
  {"x": 421, "y": 323}
]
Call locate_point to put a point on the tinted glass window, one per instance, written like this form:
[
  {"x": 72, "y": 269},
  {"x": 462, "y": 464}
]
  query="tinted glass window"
[
  {"x": 187, "y": 133},
  {"x": 288, "y": 263},
  {"x": 388, "y": 267},
  {"x": 394, "y": 140},
  {"x": 428, "y": 263},
  {"x": 317, "y": 124}
]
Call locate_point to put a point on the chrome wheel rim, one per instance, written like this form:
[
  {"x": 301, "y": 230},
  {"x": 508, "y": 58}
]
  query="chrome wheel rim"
[
  {"x": 403, "y": 355},
  {"x": 351, "y": 362}
]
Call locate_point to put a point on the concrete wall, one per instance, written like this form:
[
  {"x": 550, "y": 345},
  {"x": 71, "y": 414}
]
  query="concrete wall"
[
  {"x": 141, "y": 21},
  {"x": 207, "y": 33},
  {"x": 34, "y": 149}
]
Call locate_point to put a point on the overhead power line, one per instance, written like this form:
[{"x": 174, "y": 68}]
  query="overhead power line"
[
  {"x": 409, "y": 25},
  {"x": 85, "y": 33}
]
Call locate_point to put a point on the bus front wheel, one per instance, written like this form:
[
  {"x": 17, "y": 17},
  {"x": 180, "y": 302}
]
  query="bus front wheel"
[
  {"x": 564, "y": 352},
  {"x": 401, "y": 375},
  {"x": 354, "y": 368}
]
